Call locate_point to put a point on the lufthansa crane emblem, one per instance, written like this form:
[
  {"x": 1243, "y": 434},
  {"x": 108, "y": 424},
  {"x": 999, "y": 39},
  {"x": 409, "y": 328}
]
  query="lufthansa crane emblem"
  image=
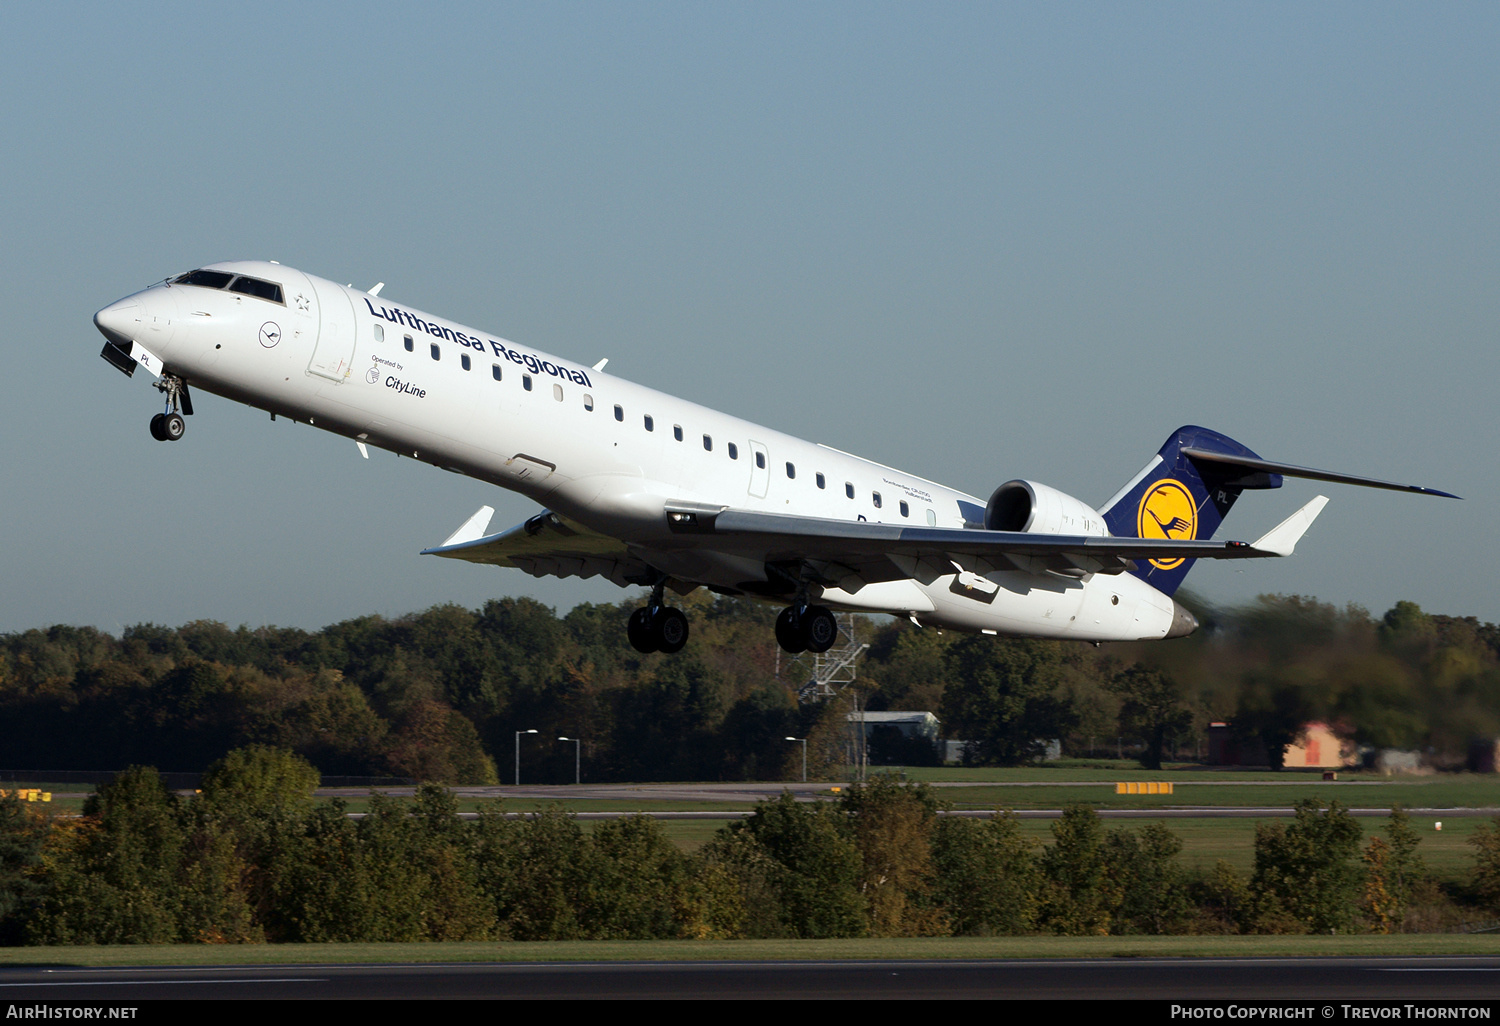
[{"x": 1167, "y": 510}]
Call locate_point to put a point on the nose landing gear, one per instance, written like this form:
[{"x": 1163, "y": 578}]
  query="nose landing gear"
[{"x": 168, "y": 426}]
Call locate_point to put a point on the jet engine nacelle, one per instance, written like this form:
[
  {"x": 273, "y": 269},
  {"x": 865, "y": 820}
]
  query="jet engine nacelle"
[{"x": 1032, "y": 508}]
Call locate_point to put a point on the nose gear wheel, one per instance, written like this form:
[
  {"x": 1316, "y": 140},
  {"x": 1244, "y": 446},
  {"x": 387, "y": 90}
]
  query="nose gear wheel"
[{"x": 168, "y": 426}]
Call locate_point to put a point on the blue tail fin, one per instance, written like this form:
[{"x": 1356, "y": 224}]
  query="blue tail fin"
[{"x": 1178, "y": 497}]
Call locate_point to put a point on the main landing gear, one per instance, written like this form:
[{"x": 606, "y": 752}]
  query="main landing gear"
[
  {"x": 656, "y": 627},
  {"x": 804, "y": 628},
  {"x": 169, "y": 426}
]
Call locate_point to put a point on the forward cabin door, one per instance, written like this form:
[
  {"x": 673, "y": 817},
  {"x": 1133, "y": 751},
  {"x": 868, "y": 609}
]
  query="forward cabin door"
[
  {"x": 760, "y": 470},
  {"x": 334, "y": 355}
]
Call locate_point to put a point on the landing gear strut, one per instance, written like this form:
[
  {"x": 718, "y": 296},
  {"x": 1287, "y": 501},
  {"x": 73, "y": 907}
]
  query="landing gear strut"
[
  {"x": 656, "y": 627},
  {"x": 169, "y": 426},
  {"x": 804, "y": 628}
]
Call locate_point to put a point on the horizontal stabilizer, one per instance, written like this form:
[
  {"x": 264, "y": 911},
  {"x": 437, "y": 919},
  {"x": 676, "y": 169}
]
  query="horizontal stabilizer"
[
  {"x": 1283, "y": 538},
  {"x": 1288, "y": 470},
  {"x": 473, "y": 528}
]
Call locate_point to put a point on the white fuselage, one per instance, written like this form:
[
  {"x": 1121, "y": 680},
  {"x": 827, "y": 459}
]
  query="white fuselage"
[{"x": 576, "y": 440}]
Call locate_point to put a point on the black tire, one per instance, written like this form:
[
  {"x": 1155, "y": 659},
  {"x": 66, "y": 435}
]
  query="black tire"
[
  {"x": 671, "y": 630},
  {"x": 156, "y": 428},
  {"x": 638, "y": 630},
  {"x": 789, "y": 632},
  {"x": 173, "y": 427},
  {"x": 819, "y": 628}
]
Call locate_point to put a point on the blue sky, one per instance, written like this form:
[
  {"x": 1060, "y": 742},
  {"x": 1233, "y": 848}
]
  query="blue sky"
[{"x": 976, "y": 242}]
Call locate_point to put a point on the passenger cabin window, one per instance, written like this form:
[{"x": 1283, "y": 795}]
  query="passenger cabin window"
[
  {"x": 708, "y": 444},
  {"x": 677, "y": 431},
  {"x": 557, "y": 392},
  {"x": 380, "y": 333},
  {"x": 619, "y": 413},
  {"x": 463, "y": 358},
  {"x": 822, "y": 481},
  {"x": 791, "y": 471},
  {"x": 734, "y": 451},
  {"x": 931, "y": 519},
  {"x": 849, "y": 489},
  {"x": 205, "y": 279},
  {"x": 876, "y": 497},
  {"x": 526, "y": 382},
  {"x": 267, "y": 290},
  {"x": 760, "y": 460},
  {"x": 495, "y": 370},
  {"x": 409, "y": 348},
  {"x": 905, "y": 509},
  {"x": 437, "y": 354},
  {"x": 650, "y": 424},
  {"x": 588, "y": 402}
]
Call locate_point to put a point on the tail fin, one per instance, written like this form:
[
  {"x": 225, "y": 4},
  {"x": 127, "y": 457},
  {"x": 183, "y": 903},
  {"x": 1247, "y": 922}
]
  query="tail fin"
[{"x": 1182, "y": 497}]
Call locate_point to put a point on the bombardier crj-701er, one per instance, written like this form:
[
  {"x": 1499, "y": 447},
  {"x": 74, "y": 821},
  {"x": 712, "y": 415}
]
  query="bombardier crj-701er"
[{"x": 646, "y": 489}]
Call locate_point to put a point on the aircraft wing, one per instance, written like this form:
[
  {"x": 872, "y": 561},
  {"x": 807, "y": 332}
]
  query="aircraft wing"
[
  {"x": 850, "y": 554},
  {"x": 839, "y": 553},
  {"x": 545, "y": 545}
]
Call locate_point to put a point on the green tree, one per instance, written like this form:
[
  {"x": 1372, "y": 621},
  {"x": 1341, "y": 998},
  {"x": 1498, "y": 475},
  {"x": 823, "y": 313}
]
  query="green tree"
[
  {"x": 114, "y": 876},
  {"x": 1393, "y": 871},
  {"x": 986, "y": 877},
  {"x": 1486, "y": 844},
  {"x": 1149, "y": 888},
  {"x": 1308, "y": 872},
  {"x": 541, "y": 872},
  {"x": 1078, "y": 891},
  {"x": 23, "y": 832},
  {"x": 315, "y": 885},
  {"x": 1002, "y": 698},
  {"x": 810, "y": 864},
  {"x": 642, "y": 884},
  {"x": 1150, "y": 708},
  {"x": 893, "y": 825}
]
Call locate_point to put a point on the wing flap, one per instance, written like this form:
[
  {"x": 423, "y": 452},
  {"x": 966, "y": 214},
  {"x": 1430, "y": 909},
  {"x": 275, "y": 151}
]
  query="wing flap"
[
  {"x": 546, "y": 545},
  {"x": 880, "y": 552}
]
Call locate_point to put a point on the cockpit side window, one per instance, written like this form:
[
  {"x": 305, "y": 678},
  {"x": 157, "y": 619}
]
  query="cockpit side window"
[
  {"x": 207, "y": 279},
  {"x": 248, "y": 286}
]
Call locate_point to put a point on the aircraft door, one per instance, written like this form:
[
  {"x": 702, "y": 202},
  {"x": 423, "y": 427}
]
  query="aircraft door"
[
  {"x": 760, "y": 470},
  {"x": 333, "y": 357}
]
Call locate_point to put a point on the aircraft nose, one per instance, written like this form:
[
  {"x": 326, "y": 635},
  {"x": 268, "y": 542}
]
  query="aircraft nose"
[
  {"x": 1183, "y": 622},
  {"x": 120, "y": 322}
]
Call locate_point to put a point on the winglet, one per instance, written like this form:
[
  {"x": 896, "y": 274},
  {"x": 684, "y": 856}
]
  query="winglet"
[
  {"x": 1283, "y": 538},
  {"x": 473, "y": 528}
]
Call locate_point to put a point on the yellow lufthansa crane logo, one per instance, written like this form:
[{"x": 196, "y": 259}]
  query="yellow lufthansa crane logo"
[{"x": 1167, "y": 511}]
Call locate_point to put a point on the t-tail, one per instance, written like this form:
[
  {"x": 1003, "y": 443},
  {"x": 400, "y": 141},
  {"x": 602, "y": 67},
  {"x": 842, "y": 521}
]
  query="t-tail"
[{"x": 1188, "y": 488}]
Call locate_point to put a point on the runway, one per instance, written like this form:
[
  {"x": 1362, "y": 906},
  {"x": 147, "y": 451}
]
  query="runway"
[{"x": 1437, "y": 981}]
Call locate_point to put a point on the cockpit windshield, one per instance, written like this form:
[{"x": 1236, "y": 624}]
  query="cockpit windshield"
[
  {"x": 208, "y": 279},
  {"x": 255, "y": 287},
  {"x": 243, "y": 284}
]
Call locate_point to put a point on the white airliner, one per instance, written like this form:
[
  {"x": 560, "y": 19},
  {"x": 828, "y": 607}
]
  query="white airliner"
[{"x": 647, "y": 489}]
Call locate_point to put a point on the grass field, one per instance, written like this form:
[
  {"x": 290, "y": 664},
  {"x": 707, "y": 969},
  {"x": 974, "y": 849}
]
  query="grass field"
[{"x": 1091, "y": 782}]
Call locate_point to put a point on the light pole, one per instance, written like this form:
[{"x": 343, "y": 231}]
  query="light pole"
[
  {"x": 804, "y": 755},
  {"x": 518, "y": 753},
  {"x": 577, "y": 757}
]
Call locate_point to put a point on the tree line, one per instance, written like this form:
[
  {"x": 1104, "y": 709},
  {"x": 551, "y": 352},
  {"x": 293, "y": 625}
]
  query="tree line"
[
  {"x": 255, "y": 858},
  {"x": 439, "y": 695}
]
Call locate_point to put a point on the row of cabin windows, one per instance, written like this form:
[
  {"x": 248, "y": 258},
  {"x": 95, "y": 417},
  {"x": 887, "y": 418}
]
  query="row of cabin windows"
[
  {"x": 650, "y": 425},
  {"x": 467, "y": 363}
]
